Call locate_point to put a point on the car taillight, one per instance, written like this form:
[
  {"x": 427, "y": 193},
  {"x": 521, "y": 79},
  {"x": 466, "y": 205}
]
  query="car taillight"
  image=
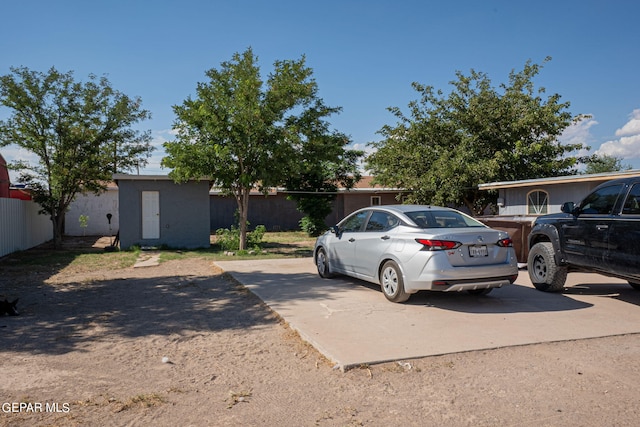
[
  {"x": 505, "y": 243},
  {"x": 438, "y": 245}
]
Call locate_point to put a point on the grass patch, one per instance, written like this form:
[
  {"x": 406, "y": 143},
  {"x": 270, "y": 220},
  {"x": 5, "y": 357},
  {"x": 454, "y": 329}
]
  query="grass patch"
[
  {"x": 288, "y": 237},
  {"x": 290, "y": 244},
  {"x": 287, "y": 244},
  {"x": 41, "y": 260},
  {"x": 106, "y": 260}
]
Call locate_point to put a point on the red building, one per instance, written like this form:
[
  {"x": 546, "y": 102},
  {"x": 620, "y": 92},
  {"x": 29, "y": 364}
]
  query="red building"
[
  {"x": 6, "y": 189},
  {"x": 4, "y": 178}
]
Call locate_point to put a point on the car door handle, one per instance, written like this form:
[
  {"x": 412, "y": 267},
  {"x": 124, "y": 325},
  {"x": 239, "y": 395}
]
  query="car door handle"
[
  {"x": 602, "y": 227},
  {"x": 385, "y": 237},
  {"x": 352, "y": 240}
]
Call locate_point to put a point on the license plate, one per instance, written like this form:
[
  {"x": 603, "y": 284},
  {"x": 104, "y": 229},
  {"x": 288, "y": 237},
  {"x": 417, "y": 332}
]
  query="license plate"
[{"x": 478, "y": 251}]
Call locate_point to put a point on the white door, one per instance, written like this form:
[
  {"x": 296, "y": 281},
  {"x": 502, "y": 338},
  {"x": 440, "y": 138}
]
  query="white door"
[{"x": 150, "y": 215}]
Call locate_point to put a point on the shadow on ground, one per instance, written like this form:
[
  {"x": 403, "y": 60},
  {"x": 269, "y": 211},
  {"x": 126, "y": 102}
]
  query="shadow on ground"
[{"x": 62, "y": 318}]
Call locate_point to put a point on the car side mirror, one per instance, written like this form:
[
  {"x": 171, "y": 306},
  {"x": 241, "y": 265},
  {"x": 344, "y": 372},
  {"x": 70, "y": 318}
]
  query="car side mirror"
[
  {"x": 569, "y": 207},
  {"x": 335, "y": 230}
]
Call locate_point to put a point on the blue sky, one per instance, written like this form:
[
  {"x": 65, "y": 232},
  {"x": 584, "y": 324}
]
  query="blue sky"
[{"x": 365, "y": 54}]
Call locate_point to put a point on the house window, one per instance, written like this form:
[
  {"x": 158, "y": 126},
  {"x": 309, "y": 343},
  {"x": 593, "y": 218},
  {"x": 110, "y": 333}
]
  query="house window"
[
  {"x": 375, "y": 201},
  {"x": 537, "y": 202}
]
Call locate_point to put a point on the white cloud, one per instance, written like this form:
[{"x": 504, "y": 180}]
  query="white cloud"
[
  {"x": 364, "y": 147},
  {"x": 13, "y": 153},
  {"x": 632, "y": 127},
  {"x": 627, "y": 146},
  {"x": 579, "y": 133}
]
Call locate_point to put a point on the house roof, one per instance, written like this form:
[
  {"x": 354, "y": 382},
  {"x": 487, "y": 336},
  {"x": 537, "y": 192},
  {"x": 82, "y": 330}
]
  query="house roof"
[
  {"x": 126, "y": 177},
  {"x": 599, "y": 177},
  {"x": 364, "y": 185}
]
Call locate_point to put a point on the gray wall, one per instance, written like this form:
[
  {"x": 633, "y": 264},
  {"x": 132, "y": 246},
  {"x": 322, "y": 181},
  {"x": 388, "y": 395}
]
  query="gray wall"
[
  {"x": 96, "y": 208},
  {"x": 275, "y": 212},
  {"x": 184, "y": 213},
  {"x": 515, "y": 199}
]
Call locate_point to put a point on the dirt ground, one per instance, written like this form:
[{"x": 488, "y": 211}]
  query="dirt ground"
[{"x": 183, "y": 344}]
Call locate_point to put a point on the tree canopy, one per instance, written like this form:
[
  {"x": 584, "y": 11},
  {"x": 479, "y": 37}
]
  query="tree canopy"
[
  {"x": 244, "y": 133},
  {"x": 81, "y": 133},
  {"x": 320, "y": 167},
  {"x": 447, "y": 145},
  {"x": 604, "y": 163}
]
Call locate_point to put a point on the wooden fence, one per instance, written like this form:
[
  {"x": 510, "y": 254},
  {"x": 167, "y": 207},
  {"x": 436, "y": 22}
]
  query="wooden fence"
[{"x": 21, "y": 227}]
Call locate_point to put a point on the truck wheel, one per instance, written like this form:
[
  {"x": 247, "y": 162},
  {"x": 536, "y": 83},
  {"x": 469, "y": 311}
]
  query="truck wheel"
[{"x": 545, "y": 274}]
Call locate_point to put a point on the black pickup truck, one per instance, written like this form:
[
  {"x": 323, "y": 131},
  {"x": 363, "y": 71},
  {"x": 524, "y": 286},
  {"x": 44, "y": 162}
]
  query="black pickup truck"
[{"x": 600, "y": 235}]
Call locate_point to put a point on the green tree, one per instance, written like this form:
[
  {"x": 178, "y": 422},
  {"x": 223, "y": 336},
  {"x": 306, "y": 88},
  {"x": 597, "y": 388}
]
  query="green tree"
[
  {"x": 604, "y": 163},
  {"x": 322, "y": 165},
  {"x": 447, "y": 145},
  {"x": 81, "y": 134},
  {"x": 244, "y": 133}
]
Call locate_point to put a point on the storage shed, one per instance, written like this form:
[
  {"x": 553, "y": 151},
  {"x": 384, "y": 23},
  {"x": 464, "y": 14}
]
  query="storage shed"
[{"x": 156, "y": 211}]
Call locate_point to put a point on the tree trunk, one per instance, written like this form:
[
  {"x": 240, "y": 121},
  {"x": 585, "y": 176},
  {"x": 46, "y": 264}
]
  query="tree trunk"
[
  {"x": 58, "y": 229},
  {"x": 243, "y": 209}
]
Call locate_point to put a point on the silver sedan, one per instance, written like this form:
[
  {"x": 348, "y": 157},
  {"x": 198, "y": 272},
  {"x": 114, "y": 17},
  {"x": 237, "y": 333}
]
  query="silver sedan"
[{"x": 408, "y": 248}]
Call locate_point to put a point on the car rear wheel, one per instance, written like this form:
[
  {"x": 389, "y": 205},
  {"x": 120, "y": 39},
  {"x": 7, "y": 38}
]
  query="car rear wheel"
[
  {"x": 392, "y": 283},
  {"x": 322, "y": 262},
  {"x": 545, "y": 274}
]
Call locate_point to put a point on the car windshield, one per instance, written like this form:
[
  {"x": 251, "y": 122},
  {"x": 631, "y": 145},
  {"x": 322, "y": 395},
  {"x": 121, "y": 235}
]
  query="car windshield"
[{"x": 442, "y": 219}]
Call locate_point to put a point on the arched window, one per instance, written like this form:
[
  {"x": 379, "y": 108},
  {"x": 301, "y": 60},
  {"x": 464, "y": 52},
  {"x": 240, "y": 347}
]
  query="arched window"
[{"x": 537, "y": 202}]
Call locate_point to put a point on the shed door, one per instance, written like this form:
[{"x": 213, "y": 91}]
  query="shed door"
[{"x": 150, "y": 215}]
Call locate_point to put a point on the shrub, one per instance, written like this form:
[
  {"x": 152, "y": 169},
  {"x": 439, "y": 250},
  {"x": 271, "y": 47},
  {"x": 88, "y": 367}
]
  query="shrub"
[
  {"x": 312, "y": 226},
  {"x": 254, "y": 238},
  {"x": 229, "y": 239}
]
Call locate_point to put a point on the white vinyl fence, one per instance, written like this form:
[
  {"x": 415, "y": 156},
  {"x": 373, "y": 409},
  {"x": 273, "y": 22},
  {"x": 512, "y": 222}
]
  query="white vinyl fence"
[{"x": 21, "y": 227}]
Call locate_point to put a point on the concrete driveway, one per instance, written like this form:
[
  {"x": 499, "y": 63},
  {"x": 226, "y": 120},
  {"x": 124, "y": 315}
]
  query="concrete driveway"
[{"x": 351, "y": 323}]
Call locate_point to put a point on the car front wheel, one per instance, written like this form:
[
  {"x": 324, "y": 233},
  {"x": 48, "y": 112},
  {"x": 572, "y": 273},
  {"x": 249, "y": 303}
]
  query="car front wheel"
[
  {"x": 392, "y": 283},
  {"x": 545, "y": 274},
  {"x": 322, "y": 262}
]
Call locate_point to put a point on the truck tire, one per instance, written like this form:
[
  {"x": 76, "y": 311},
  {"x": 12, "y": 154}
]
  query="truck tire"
[{"x": 544, "y": 273}]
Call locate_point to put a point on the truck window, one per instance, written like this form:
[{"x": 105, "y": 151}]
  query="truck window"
[
  {"x": 632, "y": 204},
  {"x": 601, "y": 201}
]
